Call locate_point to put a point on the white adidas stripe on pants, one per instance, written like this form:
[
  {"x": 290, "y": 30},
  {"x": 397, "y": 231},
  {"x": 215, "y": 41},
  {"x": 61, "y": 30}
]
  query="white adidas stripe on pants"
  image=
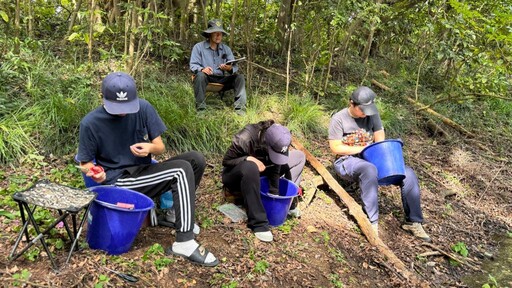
[{"x": 166, "y": 175}]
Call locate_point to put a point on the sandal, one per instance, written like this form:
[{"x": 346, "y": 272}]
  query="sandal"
[{"x": 197, "y": 257}]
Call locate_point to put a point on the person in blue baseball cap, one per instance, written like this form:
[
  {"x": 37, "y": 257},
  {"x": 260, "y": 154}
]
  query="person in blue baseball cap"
[
  {"x": 261, "y": 149},
  {"x": 350, "y": 131},
  {"x": 121, "y": 136}
]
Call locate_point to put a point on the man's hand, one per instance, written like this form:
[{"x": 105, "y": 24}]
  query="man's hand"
[
  {"x": 97, "y": 173},
  {"x": 141, "y": 149},
  {"x": 207, "y": 70},
  {"x": 225, "y": 67},
  {"x": 261, "y": 166}
]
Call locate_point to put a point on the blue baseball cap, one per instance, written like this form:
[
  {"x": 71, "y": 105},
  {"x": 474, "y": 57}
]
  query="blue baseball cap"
[
  {"x": 120, "y": 94},
  {"x": 278, "y": 139}
]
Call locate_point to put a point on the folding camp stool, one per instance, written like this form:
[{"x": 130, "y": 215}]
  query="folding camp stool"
[
  {"x": 66, "y": 200},
  {"x": 213, "y": 87}
]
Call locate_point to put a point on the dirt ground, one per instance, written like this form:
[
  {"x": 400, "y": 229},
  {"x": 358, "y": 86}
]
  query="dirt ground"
[{"x": 466, "y": 197}]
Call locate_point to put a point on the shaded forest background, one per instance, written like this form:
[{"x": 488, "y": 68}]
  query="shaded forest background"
[
  {"x": 441, "y": 69},
  {"x": 453, "y": 56}
]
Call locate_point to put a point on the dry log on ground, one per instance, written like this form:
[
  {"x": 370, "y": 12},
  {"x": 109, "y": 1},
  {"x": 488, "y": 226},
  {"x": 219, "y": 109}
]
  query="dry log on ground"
[
  {"x": 450, "y": 255},
  {"x": 357, "y": 212},
  {"x": 425, "y": 109},
  {"x": 310, "y": 193}
]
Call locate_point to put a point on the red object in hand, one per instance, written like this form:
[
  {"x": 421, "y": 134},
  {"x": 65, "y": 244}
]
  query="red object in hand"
[{"x": 96, "y": 169}]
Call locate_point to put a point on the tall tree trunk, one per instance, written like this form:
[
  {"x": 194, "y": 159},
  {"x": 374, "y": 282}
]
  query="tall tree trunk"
[
  {"x": 115, "y": 13},
  {"x": 288, "y": 58},
  {"x": 333, "y": 43},
  {"x": 127, "y": 27},
  {"x": 284, "y": 20},
  {"x": 170, "y": 11},
  {"x": 73, "y": 18},
  {"x": 247, "y": 32},
  {"x": 184, "y": 4},
  {"x": 30, "y": 18},
  {"x": 134, "y": 25},
  {"x": 369, "y": 40},
  {"x": 142, "y": 51},
  {"x": 232, "y": 25},
  {"x": 346, "y": 39},
  {"x": 203, "y": 13},
  {"x": 17, "y": 28},
  {"x": 91, "y": 28},
  {"x": 218, "y": 4}
]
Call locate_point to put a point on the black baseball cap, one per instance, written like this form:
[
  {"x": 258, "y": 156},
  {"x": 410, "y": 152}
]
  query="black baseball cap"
[{"x": 364, "y": 97}]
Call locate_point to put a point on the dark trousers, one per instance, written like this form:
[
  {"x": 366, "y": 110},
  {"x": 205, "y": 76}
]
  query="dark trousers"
[
  {"x": 365, "y": 173},
  {"x": 181, "y": 175},
  {"x": 244, "y": 179},
  {"x": 235, "y": 81}
]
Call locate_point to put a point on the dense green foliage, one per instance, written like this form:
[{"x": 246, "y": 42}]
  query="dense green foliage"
[{"x": 452, "y": 55}]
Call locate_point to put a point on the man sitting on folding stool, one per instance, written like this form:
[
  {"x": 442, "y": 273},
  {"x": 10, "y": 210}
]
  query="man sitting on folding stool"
[{"x": 208, "y": 63}]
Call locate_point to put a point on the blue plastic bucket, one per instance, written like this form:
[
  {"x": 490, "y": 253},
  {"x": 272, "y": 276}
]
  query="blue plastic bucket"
[
  {"x": 111, "y": 228},
  {"x": 277, "y": 206},
  {"x": 387, "y": 156}
]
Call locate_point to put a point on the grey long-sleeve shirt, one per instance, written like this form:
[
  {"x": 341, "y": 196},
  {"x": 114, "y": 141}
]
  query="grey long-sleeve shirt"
[{"x": 203, "y": 56}]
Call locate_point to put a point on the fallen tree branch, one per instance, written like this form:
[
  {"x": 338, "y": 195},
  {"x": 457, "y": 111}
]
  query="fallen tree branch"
[
  {"x": 422, "y": 107},
  {"x": 430, "y": 253},
  {"x": 33, "y": 284},
  {"x": 357, "y": 212},
  {"x": 449, "y": 255},
  {"x": 310, "y": 194},
  {"x": 285, "y": 76}
]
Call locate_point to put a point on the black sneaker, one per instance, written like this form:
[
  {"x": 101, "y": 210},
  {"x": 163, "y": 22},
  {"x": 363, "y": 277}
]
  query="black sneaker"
[{"x": 240, "y": 112}]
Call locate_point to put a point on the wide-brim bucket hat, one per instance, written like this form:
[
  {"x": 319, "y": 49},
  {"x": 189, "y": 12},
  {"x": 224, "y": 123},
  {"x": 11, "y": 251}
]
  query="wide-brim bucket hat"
[{"x": 214, "y": 25}]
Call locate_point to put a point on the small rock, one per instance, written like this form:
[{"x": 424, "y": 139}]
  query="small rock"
[
  {"x": 489, "y": 255},
  {"x": 431, "y": 264},
  {"x": 311, "y": 229}
]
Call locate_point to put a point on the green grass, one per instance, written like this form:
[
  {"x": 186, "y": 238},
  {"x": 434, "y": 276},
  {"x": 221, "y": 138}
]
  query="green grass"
[
  {"x": 305, "y": 117},
  {"x": 15, "y": 136},
  {"x": 44, "y": 98}
]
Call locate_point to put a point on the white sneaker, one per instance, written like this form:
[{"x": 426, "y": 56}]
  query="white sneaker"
[
  {"x": 265, "y": 236},
  {"x": 294, "y": 212},
  {"x": 196, "y": 229}
]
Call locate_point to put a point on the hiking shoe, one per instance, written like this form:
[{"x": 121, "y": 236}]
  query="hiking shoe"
[
  {"x": 170, "y": 216},
  {"x": 265, "y": 236},
  {"x": 417, "y": 230},
  {"x": 375, "y": 227},
  {"x": 295, "y": 213},
  {"x": 201, "y": 111}
]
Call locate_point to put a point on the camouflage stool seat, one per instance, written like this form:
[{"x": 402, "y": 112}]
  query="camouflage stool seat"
[{"x": 66, "y": 200}]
